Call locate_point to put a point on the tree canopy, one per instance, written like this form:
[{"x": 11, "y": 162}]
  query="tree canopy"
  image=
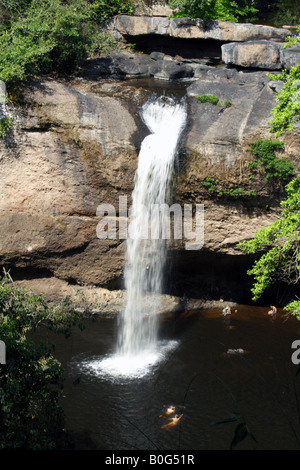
[
  {"x": 38, "y": 36},
  {"x": 225, "y": 10},
  {"x": 31, "y": 380}
]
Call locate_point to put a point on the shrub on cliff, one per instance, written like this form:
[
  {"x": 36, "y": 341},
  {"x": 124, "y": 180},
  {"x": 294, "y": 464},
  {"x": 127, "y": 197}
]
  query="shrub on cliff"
[
  {"x": 280, "y": 242},
  {"x": 266, "y": 161}
]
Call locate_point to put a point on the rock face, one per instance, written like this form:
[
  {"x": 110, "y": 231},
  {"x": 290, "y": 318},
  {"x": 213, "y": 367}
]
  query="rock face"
[
  {"x": 236, "y": 44},
  {"x": 75, "y": 143},
  {"x": 67, "y": 155},
  {"x": 220, "y": 131},
  {"x": 194, "y": 28}
]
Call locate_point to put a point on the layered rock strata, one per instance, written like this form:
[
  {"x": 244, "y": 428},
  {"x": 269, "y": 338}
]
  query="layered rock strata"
[{"x": 75, "y": 143}]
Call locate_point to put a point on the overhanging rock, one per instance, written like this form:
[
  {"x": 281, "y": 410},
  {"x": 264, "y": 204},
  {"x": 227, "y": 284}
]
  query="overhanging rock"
[{"x": 195, "y": 28}]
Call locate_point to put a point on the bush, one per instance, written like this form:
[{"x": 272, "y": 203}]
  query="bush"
[
  {"x": 31, "y": 379},
  {"x": 5, "y": 126},
  {"x": 219, "y": 191},
  {"x": 265, "y": 160},
  {"x": 225, "y": 10},
  {"x": 49, "y": 35},
  {"x": 106, "y": 10},
  {"x": 52, "y": 35},
  {"x": 208, "y": 99},
  {"x": 280, "y": 242},
  {"x": 287, "y": 112}
]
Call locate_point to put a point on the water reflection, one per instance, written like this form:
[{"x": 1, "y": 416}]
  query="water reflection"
[{"x": 197, "y": 377}]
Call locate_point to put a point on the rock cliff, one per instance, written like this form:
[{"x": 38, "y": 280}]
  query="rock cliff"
[{"x": 74, "y": 145}]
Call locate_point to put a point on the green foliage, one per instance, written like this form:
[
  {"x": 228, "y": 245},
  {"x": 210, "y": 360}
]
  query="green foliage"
[
  {"x": 293, "y": 40},
  {"x": 287, "y": 112},
  {"x": 5, "y": 126},
  {"x": 31, "y": 379},
  {"x": 293, "y": 308},
  {"x": 280, "y": 244},
  {"x": 265, "y": 160},
  {"x": 283, "y": 12},
  {"x": 233, "y": 192},
  {"x": 219, "y": 191},
  {"x": 106, "y": 10},
  {"x": 48, "y": 35},
  {"x": 208, "y": 99},
  {"x": 214, "y": 100},
  {"x": 209, "y": 184},
  {"x": 225, "y": 10}
]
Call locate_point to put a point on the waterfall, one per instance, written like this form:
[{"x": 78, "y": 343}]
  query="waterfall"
[{"x": 146, "y": 249}]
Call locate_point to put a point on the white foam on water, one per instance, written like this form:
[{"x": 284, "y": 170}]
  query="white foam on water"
[{"x": 129, "y": 366}]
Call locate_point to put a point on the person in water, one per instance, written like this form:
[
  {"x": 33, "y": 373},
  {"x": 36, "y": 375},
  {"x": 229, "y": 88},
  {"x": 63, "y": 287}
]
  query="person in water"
[
  {"x": 173, "y": 422},
  {"x": 273, "y": 310}
]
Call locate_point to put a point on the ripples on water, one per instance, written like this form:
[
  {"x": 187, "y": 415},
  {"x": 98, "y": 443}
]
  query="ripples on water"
[{"x": 115, "y": 412}]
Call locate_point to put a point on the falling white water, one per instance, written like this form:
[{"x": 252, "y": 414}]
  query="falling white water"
[{"x": 137, "y": 347}]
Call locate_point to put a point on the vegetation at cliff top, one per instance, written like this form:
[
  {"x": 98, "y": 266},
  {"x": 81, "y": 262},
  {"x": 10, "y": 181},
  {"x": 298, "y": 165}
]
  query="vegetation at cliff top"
[
  {"x": 31, "y": 380},
  {"x": 39, "y": 36},
  {"x": 225, "y": 10}
]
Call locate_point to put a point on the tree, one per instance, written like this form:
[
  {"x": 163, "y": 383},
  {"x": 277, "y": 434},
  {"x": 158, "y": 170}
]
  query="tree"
[
  {"x": 225, "y": 10},
  {"x": 41, "y": 36},
  {"x": 279, "y": 244},
  {"x": 32, "y": 379}
]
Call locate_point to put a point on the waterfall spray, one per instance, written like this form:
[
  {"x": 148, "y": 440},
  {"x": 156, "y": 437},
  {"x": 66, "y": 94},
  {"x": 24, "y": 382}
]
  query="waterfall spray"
[{"x": 146, "y": 249}]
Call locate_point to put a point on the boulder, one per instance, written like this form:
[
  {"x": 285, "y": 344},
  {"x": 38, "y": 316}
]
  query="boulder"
[
  {"x": 263, "y": 54},
  {"x": 291, "y": 57},
  {"x": 194, "y": 28},
  {"x": 170, "y": 70}
]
